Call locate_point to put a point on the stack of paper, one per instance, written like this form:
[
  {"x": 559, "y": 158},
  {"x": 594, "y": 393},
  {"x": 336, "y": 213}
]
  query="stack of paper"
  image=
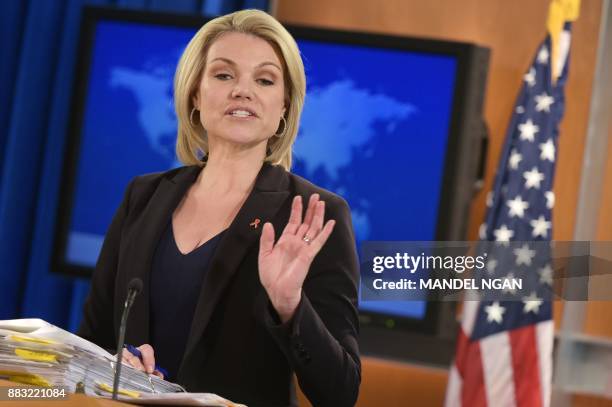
[{"x": 33, "y": 351}]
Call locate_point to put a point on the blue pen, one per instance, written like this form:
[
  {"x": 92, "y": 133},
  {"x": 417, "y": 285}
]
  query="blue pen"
[{"x": 136, "y": 352}]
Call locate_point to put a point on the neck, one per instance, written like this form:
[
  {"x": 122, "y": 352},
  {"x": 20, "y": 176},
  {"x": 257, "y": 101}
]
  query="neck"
[{"x": 231, "y": 171}]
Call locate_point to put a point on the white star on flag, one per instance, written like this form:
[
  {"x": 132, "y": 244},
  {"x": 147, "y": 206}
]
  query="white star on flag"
[
  {"x": 547, "y": 151},
  {"x": 550, "y": 199},
  {"x": 524, "y": 255},
  {"x": 491, "y": 265},
  {"x": 540, "y": 227},
  {"x": 517, "y": 207},
  {"x": 543, "y": 55},
  {"x": 510, "y": 278},
  {"x": 495, "y": 312},
  {"x": 530, "y": 77},
  {"x": 533, "y": 178},
  {"x": 543, "y": 102},
  {"x": 546, "y": 275},
  {"x": 532, "y": 303},
  {"x": 503, "y": 234},
  {"x": 528, "y": 130},
  {"x": 515, "y": 159}
]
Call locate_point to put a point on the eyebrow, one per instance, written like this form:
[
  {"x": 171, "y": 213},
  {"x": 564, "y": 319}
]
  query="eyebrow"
[{"x": 230, "y": 62}]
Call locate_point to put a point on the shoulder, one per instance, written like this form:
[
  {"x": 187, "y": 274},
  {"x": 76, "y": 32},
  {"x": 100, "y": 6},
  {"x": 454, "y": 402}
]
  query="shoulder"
[
  {"x": 334, "y": 203},
  {"x": 274, "y": 178},
  {"x": 142, "y": 187},
  {"x": 155, "y": 178}
]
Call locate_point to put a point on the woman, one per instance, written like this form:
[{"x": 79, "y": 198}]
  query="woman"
[{"x": 240, "y": 291}]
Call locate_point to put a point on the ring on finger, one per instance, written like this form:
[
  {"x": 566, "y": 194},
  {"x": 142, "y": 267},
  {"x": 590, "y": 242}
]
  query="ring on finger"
[{"x": 307, "y": 239}]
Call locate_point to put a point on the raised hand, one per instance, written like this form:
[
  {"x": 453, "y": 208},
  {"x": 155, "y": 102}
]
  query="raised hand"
[{"x": 283, "y": 266}]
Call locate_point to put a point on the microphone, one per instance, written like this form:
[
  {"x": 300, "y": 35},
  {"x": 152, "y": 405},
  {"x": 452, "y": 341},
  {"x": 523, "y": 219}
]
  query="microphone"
[{"x": 134, "y": 288}]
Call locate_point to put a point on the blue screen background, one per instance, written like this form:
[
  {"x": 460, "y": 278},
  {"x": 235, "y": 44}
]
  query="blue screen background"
[{"x": 374, "y": 130}]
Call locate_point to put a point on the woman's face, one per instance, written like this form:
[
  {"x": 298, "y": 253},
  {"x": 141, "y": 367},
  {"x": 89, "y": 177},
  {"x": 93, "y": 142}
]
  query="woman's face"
[{"x": 241, "y": 93}]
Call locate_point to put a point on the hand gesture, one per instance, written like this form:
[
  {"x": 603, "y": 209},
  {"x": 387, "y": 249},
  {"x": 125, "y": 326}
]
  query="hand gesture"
[{"x": 283, "y": 266}]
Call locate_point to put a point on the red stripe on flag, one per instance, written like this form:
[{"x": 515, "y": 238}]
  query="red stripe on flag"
[
  {"x": 469, "y": 365},
  {"x": 526, "y": 367},
  {"x": 461, "y": 352}
]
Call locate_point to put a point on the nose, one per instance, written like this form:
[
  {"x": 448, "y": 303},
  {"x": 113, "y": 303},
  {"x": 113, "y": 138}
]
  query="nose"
[{"x": 242, "y": 90}]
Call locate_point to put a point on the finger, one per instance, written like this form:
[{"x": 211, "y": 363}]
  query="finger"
[
  {"x": 295, "y": 219},
  {"x": 125, "y": 357},
  {"x": 312, "y": 204},
  {"x": 317, "y": 243},
  {"x": 148, "y": 357},
  {"x": 301, "y": 232},
  {"x": 317, "y": 221},
  {"x": 158, "y": 374},
  {"x": 132, "y": 360},
  {"x": 136, "y": 363},
  {"x": 266, "y": 241}
]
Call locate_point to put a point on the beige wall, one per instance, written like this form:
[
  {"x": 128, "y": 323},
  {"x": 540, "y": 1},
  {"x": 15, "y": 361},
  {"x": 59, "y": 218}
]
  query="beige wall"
[
  {"x": 513, "y": 30},
  {"x": 598, "y": 319}
]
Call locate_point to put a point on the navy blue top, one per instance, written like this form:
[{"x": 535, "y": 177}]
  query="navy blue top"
[{"x": 176, "y": 282}]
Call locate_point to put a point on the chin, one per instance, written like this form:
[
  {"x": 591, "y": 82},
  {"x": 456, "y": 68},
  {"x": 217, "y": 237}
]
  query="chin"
[{"x": 242, "y": 136}]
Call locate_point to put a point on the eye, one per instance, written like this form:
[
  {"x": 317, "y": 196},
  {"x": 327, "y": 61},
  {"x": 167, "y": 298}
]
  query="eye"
[
  {"x": 223, "y": 76},
  {"x": 265, "y": 82}
]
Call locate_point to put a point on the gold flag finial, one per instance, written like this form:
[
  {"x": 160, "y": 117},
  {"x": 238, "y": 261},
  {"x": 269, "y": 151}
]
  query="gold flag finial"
[{"x": 559, "y": 12}]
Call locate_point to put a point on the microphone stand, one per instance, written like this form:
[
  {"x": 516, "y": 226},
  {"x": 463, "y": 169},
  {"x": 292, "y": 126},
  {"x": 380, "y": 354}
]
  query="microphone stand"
[{"x": 133, "y": 290}]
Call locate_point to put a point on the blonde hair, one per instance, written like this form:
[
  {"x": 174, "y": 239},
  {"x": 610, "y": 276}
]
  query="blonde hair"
[{"x": 192, "y": 141}]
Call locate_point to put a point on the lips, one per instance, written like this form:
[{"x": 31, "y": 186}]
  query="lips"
[{"x": 240, "y": 111}]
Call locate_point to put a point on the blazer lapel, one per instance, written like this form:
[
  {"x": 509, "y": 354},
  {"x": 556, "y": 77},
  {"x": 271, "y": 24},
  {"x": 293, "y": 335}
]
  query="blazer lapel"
[
  {"x": 269, "y": 193},
  {"x": 156, "y": 215}
]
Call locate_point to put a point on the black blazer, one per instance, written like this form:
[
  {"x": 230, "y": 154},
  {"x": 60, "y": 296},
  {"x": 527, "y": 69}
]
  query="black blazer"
[{"x": 237, "y": 347}]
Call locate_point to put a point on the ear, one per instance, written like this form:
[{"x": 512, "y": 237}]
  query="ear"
[{"x": 195, "y": 99}]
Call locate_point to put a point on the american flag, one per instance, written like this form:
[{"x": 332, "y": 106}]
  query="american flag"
[{"x": 504, "y": 348}]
